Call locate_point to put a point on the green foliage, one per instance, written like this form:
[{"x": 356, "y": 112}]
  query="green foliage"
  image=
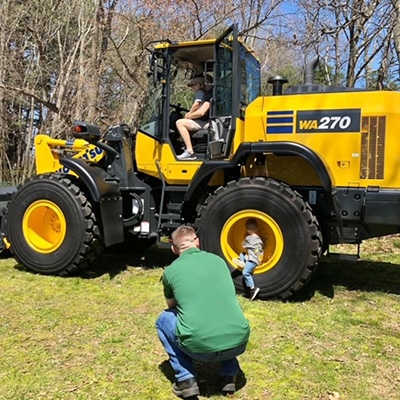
[
  {"x": 92, "y": 336},
  {"x": 325, "y": 75},
  {"x": 289, "y": 71},
  {"x": 387, "y": 83}
]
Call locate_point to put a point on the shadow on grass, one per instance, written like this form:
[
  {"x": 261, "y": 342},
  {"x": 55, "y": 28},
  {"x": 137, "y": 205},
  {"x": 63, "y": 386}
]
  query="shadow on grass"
[
  {"x": 367, "y": 276},
  {"x": 113, "y": 263},
  {"x": 5, "y": 254},
  {"x": 207, "y": 377}
]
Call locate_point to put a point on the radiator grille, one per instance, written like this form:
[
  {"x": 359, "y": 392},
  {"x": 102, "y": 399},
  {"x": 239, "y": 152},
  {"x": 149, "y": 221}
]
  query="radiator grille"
[{"x": 373, "y": 137}]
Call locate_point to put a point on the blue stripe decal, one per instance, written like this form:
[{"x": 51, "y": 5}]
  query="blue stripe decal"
[
  {"x": 283, "y": 120},
  {"x": 280, "y": 129},
  {"x": 280, "y": 113}
]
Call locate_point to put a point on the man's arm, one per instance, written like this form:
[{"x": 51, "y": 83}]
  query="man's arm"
[
  {"x": 195, "y": 107},
  {"x": 171, "y": 303},
  {"x": 168, "y": 292},
  {"x": 197, "y": 101},
  {"x": 201, "y": 112}
]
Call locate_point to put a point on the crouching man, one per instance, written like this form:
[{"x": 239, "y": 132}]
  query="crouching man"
[{"x": 204, "y": 320}]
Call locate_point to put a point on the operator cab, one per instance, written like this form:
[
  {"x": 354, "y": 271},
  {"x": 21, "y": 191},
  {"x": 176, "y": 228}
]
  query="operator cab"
[{"x": 235, "y": 73}]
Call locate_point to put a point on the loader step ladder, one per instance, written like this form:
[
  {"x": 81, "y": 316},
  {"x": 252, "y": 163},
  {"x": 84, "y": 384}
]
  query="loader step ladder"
[{"x": 171, "y": 220}]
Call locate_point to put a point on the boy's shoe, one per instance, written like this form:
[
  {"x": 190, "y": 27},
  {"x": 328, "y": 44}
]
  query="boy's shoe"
[
  {"x": 238, "y": 262},
  {"x": 254, "y": 293},
  {"x": 228, "y": 384},
  {"x": 186, "y": 155},
  {"x": 186, "y": 388}
]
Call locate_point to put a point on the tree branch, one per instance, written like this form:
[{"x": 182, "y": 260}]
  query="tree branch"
[{"x": 21, "y": 91}]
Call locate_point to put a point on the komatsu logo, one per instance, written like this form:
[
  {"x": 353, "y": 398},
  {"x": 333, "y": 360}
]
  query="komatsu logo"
[{"x": 345, "y": 120}]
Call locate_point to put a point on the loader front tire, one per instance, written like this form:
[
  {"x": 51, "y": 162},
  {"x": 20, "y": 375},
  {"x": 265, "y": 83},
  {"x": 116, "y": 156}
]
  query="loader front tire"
[
  {"x": 285, "y": 221},
  {"x": 51, "y": 226}
]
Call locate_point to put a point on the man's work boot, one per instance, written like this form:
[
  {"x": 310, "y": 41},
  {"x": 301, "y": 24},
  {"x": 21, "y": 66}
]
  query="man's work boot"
[
  {"x": 228, "y": 384},
  {"x": 186, "y": 388}
]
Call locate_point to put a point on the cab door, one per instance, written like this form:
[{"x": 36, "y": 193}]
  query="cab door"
[{"x": 225, "y": 106}]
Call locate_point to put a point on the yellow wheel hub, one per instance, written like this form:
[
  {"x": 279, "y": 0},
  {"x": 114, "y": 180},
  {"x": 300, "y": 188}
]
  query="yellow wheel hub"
[
  {"x": 44, "y": 226},
  {"x": 234, "y": 232}
]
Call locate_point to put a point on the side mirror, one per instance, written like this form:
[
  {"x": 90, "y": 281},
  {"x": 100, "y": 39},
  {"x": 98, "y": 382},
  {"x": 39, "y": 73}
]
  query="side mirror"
[{"x": 83, "y": 130}]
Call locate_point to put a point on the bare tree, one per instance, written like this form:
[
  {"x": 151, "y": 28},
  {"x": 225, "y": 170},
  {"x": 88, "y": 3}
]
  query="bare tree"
[
  {"x": 62, "y": 60},
  {"x": 357, "y": 28},
  {"x": 396, "y": 32}
]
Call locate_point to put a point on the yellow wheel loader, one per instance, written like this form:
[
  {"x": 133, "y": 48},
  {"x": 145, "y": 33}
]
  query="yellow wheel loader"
[{"x": 313, "y": 164}]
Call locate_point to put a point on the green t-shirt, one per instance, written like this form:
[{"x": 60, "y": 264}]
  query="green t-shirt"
[{"x": 209, "y": 315}]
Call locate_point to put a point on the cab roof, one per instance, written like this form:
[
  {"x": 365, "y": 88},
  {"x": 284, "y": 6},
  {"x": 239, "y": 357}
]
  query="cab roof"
[{"x": 194, "y": 51}]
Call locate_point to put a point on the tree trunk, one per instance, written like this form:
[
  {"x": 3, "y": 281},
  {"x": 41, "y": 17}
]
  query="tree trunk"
[
  {"x": 28, "y": 150},
  {"x": 4, "y": 10},
  {"x": 396, "y": 32},
  {"x": 354, "y": 36},
  {"x": 82, "y": 70},
  {"x": 96, "y": 61}
]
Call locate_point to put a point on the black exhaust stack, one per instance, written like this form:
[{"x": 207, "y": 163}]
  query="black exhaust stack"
[
  {"x": 277, "y": 83},
  {"x": 308, "y": 86},
  {"x": 309, "y": 73}
]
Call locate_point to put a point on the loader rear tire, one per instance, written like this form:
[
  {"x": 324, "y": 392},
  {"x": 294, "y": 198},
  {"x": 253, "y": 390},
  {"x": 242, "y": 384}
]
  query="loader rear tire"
[
  {"x": 51, "y": 226},
  {"x": 286, "y": 222}
]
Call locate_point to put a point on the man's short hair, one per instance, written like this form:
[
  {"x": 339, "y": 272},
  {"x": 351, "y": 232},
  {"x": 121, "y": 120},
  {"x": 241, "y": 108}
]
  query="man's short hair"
[
  {"x": 251, "y": 224},
  {"x": 208, "y": 79},
  {"x": 182, "y": 235}
]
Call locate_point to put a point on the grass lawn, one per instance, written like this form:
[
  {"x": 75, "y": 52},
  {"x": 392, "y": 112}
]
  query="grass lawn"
[{"x": 92, "y": 336}]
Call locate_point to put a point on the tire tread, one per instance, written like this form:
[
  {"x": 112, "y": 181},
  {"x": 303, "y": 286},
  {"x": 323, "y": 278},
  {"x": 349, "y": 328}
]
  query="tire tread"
[{"x": 315, "y": 236}]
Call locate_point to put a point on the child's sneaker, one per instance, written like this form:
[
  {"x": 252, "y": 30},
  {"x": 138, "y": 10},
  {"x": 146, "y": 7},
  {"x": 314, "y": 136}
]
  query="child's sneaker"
[
  {"x": 254, "y": 293},
  {"x": 238, "y": 262}
]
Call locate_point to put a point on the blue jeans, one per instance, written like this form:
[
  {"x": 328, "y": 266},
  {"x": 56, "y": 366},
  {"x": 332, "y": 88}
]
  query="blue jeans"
[
  {"x": 248, "y": 271},
  {"x": 181, "y": 359}
]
